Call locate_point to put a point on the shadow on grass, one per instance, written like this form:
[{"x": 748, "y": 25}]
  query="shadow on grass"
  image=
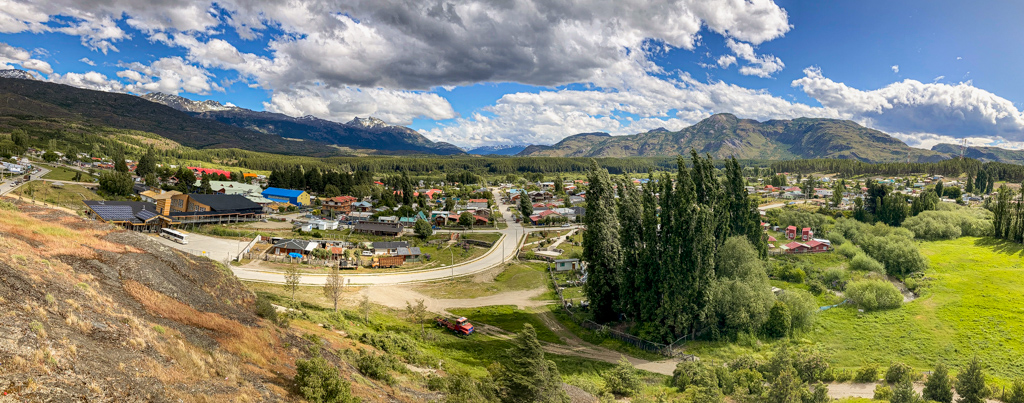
[{"x": 1001, "y": 246}]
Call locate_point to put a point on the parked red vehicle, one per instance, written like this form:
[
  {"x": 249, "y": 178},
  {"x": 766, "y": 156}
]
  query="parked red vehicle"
[{"x": 460, "y": 326}]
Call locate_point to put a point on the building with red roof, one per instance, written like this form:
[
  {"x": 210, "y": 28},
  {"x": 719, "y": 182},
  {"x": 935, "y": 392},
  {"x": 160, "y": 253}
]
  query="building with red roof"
[{"x": 209, "y": 171}]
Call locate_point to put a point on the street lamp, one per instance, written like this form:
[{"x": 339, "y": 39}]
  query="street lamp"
[{"x": 453, "y": 262}]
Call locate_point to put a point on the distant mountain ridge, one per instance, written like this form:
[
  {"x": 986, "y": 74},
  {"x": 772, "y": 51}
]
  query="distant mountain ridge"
[
  {"x": 15, "y": 73},
  {"x": 497, "y": 150},
  {"x": 360, "y": 133},
  {"x": 983, "y": 153},
  {"x": 40, "y": 101},
  {"x": 724, "y": 135}
]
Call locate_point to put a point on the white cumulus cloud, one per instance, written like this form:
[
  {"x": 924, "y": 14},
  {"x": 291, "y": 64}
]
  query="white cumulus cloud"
[
  {"x": 15, "y": 57},
  {"x": 895, "y": 68}
]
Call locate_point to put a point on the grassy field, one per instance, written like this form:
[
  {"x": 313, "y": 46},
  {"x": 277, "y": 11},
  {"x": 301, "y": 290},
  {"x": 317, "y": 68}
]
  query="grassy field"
[
  {"x": 972, "y": 305},
  {"x": 509, "y": 318},
  {"x": 65, "y": 174},
  {"x": 69, "y": 196},
  {"x": 483, "y": 236},
  {"x": 515, "y": 277}
]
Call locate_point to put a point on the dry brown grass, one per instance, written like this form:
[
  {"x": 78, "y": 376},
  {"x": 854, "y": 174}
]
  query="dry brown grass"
[
  {"x": 54, "y": 239},
  {"x": 256, "y": 345}
]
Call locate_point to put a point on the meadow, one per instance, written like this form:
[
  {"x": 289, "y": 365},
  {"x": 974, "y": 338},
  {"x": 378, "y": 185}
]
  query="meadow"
[{"x": 971, "y": 305}]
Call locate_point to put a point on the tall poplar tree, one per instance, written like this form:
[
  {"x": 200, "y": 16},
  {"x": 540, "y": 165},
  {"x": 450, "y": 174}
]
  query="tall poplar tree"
[{"x": 601, "y": 248}]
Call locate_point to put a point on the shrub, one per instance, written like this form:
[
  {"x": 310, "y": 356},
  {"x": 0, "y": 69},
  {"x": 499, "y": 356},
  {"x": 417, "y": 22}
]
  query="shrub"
[
  {"x": 789, "y": 273},
  {"x": 843, "y": 376},
  {"x": 863, "y": 262},
  {"x": 835, "y": 278},
  {"x": 882, "y": 392},
  {"x": 898, "y": 372},
  {"x": 750, "y": 380},
  {"x": 866, "y": 374},
  {"x": 318, "y": 381},
  {"x": 693, "y": 373},
  {"x": 623, "y": 380},
  {"x": 849, "y": 250},
  {"x": 779, "y": 321},
  {"x": 836, "y": 238},
  {"x": 874, "y": 294},
  {"x": 377, "y": 366},
  {"x": 802, "y": 308},
  {"x": 951, "y": 223},
  {"x": 265, "y": 309},
  {"x": 810, "y": 366}
]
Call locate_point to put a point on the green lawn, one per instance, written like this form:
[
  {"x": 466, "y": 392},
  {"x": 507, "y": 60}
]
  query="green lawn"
[
  {"x": 972, "y": 305},
  {"x": 69, "y": 196},
  {"x": 483, "y": 236},
  {"x": 65, "y": 174},
  {"x": 515, "y": 277},
  {"x": 508, "y": 318}
]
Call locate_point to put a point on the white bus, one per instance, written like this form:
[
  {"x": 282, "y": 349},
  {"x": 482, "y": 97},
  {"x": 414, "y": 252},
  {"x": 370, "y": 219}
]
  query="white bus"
[{"x": 174, "y": 236}]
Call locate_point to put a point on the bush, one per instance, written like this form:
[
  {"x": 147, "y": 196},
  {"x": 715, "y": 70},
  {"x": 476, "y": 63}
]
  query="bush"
[
  {"x": 836, "y": 238},
  {"x": 898, "y": 372},
  {"x": 874, "y": 294},
  {"x": 882, "y": 392},
  {"x": 623, "y": 380},
  {"x": 951, "y": 224},
  {"x": 265, "y": 309},
  {"x": 843, "y": 376},
  {"x": 849, "y": 250},
  {"x": 378, "y": 366},
  {"x": 318, "y": 381},
  {"x": 835, "y": 278},
  {"x": 866, "y": 374},
  {"x": 779, "y": 322},
  {"x": 802, "y": 308},
  {"x": 750, "y": 380},
  {"x": 693, "y": 373},
  {"x": 863, "y": 262}
]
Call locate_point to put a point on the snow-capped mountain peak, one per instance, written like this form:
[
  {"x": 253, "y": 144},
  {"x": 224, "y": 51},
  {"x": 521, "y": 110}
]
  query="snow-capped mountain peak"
[
  {"x": 15, "y": 73},
  {"x": 186, "y": 105},
  {"x": 369, "y": 122}
]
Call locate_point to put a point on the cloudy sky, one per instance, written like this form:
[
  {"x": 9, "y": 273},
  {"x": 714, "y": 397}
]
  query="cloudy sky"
[{"x": 485, "y": 72}]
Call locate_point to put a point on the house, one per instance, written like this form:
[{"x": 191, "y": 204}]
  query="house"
[
  {"x": 340, "y": 204},
  {"x": 388, "y": 219},
  {"x": 362, "y": 206},
  {"x": 388, "y": 248},
  {"x": 154, "y": 196},
  {"x": 296, "y": 197},
  {"x": 208, "y": 171},
  {"x": 474, "y": 204},
  {"x": 379, "y": 228},
  {"x": 806, "y": 234},
  {"x": 567, "y": 264},
  {"x": 410, "y": 254},
  {"x": 213, "y": 208},
  {"x": 795, "y": 247},
  {"x": 137, "y": 216},
  {"x": 293, "y": 246},
  {"x": 819, "y": 245},
  {"x": 791, "y": 232},
  {"x": 478, "y": 220}
]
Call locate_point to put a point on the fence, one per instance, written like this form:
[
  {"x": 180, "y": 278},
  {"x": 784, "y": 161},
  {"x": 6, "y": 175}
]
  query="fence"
[
  {"x": 248, "y": 247},
  {"x": 649, "y": 346}
]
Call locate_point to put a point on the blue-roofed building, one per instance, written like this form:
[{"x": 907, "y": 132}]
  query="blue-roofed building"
[{"x": 296, "y": 197}]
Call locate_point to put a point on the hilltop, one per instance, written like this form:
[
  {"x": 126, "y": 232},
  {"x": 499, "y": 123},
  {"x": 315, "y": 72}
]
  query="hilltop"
[
  {"x": 724, "y": 135},
  {"x": 983, "y": 153}
]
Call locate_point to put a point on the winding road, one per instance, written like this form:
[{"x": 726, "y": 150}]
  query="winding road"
[{"x": 503, "y": 250}]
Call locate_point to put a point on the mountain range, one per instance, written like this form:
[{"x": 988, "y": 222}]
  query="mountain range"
[
  {"x": 211, "y": 124},
  {"x": 369, "y": 133},
  {"x": 724, "y": 135}
]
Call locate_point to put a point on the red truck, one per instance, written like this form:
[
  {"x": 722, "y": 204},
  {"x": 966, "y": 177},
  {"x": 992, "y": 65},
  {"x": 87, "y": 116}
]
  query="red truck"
[{"x": 460, "y": 326}]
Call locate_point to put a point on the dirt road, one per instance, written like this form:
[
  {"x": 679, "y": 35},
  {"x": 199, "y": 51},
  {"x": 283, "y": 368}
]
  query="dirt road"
[{"x": 397, "y": 296}]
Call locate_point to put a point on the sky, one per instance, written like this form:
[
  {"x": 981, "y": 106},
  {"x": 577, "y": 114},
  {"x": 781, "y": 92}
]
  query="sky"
[{"x": 514, "y": 72}]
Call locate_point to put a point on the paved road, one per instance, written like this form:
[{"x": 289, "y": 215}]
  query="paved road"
[
  {"x": 9, "y": 186},
  {"x": 503, "y": 250}
]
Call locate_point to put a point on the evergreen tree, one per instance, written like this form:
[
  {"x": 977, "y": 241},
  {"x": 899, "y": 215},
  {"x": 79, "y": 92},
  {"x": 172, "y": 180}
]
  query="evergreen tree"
[
  {"x": 204, "y": 186},
  {"x": 808, "y": 186},
  {"x": 423, "y": 229},
  {"x": 147, "y": 163},
  {"x": 525, "y": 206},
  {"x": 1016, "y": 394},
  {"x": 601, "y": 248},
  {"x": 631, "y": 237},
  {"x": 970, "y": 183},
  {"x": 527, "y": 376},
  {"x": 119, "y": 164},
  {"x": 785, "y": 389},
  {"x": 744, "y": 218},
  {"x": 970, "y": 383},
  {"x": 938, "y": 387},
  {"x": 837, "y": 193},
  {"x": 981, "y": 182},
  {"x": 940, "y": 188},
  {"x": 904, "y": 392},
  {"x": 893, "y": 209}
]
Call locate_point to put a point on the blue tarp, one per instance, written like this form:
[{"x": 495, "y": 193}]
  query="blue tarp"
[{"x": 295, "y": 255}]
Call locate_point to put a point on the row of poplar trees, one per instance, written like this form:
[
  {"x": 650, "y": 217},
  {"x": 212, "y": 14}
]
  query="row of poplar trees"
[{"x": 651, "y": 253}]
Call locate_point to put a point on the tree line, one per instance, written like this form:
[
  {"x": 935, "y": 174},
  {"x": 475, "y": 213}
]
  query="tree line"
[{"x": 680, "y": 254}]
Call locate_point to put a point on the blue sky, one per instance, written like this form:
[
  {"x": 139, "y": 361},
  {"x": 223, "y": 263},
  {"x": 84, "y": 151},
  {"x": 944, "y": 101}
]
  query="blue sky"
[{"x": 532, "y": 72}]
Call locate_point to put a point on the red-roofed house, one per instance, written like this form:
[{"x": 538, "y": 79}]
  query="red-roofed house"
[
  {"x": 796, "y": 247},
  {"x": 430, "y": 193},
  {"x": 817, "y": 246},
  {"x": 807, "y": 234},
  {"x": 791, "y": 232},
  {"x": 341, "y": 204},
  {"x": 209, "y": 171}
]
